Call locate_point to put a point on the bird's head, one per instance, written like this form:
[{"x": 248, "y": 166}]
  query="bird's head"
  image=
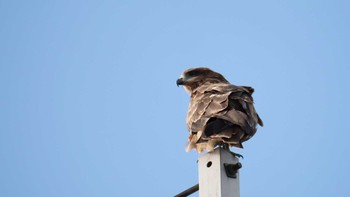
[{"x": 192, "y": 78}]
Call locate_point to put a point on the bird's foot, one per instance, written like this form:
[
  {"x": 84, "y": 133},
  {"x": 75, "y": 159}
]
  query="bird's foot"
[
  {"x": 236, "y": 155},
  {"x": 227, "y": 147}
]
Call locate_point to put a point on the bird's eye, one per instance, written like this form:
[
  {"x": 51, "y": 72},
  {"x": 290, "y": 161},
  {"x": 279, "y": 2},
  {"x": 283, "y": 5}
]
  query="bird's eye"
[{"x": 193, "y": 73}]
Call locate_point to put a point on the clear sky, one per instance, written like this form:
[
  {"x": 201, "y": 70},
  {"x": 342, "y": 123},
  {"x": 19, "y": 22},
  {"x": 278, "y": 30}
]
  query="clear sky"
[{"x": 89, "y": 104}]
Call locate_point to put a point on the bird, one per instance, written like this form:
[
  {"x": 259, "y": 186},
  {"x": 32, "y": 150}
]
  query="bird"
[{"x": 219, "y": 113}]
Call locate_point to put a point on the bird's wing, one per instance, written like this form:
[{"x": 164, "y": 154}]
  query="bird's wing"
[
  {"x": 209, "y": 101},
  {"x": 229, "y": 104}
]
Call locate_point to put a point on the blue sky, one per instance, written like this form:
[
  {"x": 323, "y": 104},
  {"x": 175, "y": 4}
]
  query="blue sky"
[{"x": 89, "y": 105}]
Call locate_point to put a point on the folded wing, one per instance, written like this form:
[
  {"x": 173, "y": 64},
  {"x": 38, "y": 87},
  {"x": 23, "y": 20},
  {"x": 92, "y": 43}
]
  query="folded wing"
[{"x": 221, "y": 113}]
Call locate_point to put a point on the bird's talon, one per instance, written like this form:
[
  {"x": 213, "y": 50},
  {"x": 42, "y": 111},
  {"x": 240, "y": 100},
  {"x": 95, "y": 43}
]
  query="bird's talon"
[{"x": 237, "y": 155}]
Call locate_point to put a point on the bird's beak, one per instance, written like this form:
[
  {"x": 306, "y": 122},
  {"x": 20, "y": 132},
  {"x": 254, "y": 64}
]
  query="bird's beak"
[{"x": 180, "y": 81}]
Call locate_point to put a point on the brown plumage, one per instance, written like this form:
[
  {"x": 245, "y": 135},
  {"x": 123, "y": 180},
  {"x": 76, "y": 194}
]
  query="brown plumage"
[{"x": 219, "y": 113}]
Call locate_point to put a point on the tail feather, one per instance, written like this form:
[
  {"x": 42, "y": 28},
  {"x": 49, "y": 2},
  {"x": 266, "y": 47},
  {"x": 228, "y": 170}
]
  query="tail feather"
[{"x": 261, "y": 123}]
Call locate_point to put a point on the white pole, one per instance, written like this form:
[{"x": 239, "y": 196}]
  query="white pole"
[{"x": 213, "y": 179}]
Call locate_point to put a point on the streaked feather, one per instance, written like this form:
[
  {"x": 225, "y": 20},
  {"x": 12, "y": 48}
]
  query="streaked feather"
[{"x": 219, "y": 112}]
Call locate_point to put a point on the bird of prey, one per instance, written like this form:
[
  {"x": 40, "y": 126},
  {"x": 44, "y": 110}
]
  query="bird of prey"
[{"x": 219, "y": 113}]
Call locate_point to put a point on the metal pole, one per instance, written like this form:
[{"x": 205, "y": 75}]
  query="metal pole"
[
  {"x": 189, "y": 191},
  {"x": 218, "y": 174}
]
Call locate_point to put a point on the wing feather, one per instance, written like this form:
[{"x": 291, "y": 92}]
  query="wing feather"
[{"x": 221, "y": 102}]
